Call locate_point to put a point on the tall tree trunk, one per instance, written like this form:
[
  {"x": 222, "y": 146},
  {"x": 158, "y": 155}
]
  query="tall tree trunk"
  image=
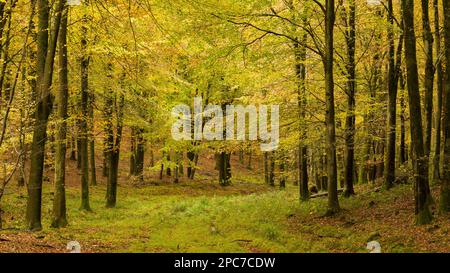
[
  {"x": 429, "y": 75},
  {"x": 6, "y": 19},
  {"x": 333, "y": 202},
  {"x": 300, "y": 71},
  {"x": 272, "y": 169},
  {"x": 282, "y": 167},
  {"x": 78, "y": 139},
  {"x": 139, "y": 155},
  {"x": 92, "y": 162},
  {"x": 350, "y": 130},
  {"x": 420, "y": 162},
  {"x": 191, "y": 167},
  {"x": 266, "y": 167},
  {"x": 393, "y": 75},
  {"x": 152, "y": 158},
  {"x": 73, "y": 148},
  {"x": 224, "y": 168},
  {"x": 168, "y": 169},
  {"x": 133, "y": 152},
  {"x": 113, "y": 165},
  {"x": 83, "y": 137},
  {"x": 403, "y": 150},
  {"x": 59, "y": 201},
  {"x": 444, "y": 204},
  {"x": 92, "y": 140},
  {"x": 45, "y": 60},
  {"x": 439, "y": 95},
  {"x": 108, "y": 140},
  {"x": 22, "y": 133}
]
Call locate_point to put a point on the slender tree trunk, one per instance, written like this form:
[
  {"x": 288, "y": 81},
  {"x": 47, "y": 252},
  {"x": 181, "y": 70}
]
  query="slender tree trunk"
[
  {"x": 439, "y": 95},
  {"x": 420, "y": 162},
  {"x": 161, "y": 171},
  {"x": 111, "y": 192},
  {"x": 429, "y": 75},
  {"x": 73, "y": 149},
  {"x": 168, "y": 169},
  {"x": 92, "y": 161},
  {"x": 190, "y": 168},
  {"x": 59, "y": 201},
  {"x": 350, "y": 130},
  {"x": 333, "y": 202},
  {"x": 152, "y": 158},
  {"x": 444, "y": 203},
  {"x": 393, "y": 75},
  {"x": 6, "y": 19},
  {"x": 195, "y": 166},
  {"x": 224, "y": 168},
  {"x": 45, "y": 60},
  {"x": 93, "y": 168},
  {"x": 272, "y": 170},
  {"x": 113, "y": 165},
  {"x": 108, "y": 141},
  {"x": 180, "y": 164},
  {"x": 175, "y": 170},
  {"x": 282, "y": 173},
  {"x": 266, "y": 168},
  {"x": 139, "y": 155},
  {"x": 22, "y": 133},
  {"x": 83, "y": 137},
  {"x": 403, "y": 150},
  {"x": 78, "y": 140},
  {"x": 300, "y": 71},
  {"x": 133, "y": 152}
]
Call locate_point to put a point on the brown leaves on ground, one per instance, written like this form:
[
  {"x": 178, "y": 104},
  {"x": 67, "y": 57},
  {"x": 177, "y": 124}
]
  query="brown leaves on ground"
[
  {"x": 27, "y": 242},
  {"x": 389, "y": 221}
]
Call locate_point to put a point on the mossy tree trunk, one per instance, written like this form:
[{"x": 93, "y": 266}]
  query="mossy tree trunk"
[
  {"x": 393, "y": 77},
  {"x": 113, "y": 159},
  {"x": 93, "y": 169},
  {"x": 429, "y": 75},
  {"x": 350, "y": 129},
  {"x": 333, "y": 201},
  {"x": 45, "y": 60},
  {"x": 83, "y": 137},
  {"x": 420, "y": 162},
  {"x": 59, "y": 201},
  {"x": 439, "y": 94},
  {"x": 444, "y": 204}
]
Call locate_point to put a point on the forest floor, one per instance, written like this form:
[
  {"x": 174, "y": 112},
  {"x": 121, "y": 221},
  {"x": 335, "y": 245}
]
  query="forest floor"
[{"x": 201, "y": 216}]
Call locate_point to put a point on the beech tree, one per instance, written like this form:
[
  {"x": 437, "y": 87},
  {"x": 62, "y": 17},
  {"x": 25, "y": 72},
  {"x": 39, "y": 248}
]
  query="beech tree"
[
  {"x": 45, "y": 58},
  {"x": 59, "y": 201},
  {"x": 420, "y": 161}
]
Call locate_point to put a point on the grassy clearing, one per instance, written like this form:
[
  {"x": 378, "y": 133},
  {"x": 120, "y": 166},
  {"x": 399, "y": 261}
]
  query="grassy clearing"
[{"x": 203, "y": 217}]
